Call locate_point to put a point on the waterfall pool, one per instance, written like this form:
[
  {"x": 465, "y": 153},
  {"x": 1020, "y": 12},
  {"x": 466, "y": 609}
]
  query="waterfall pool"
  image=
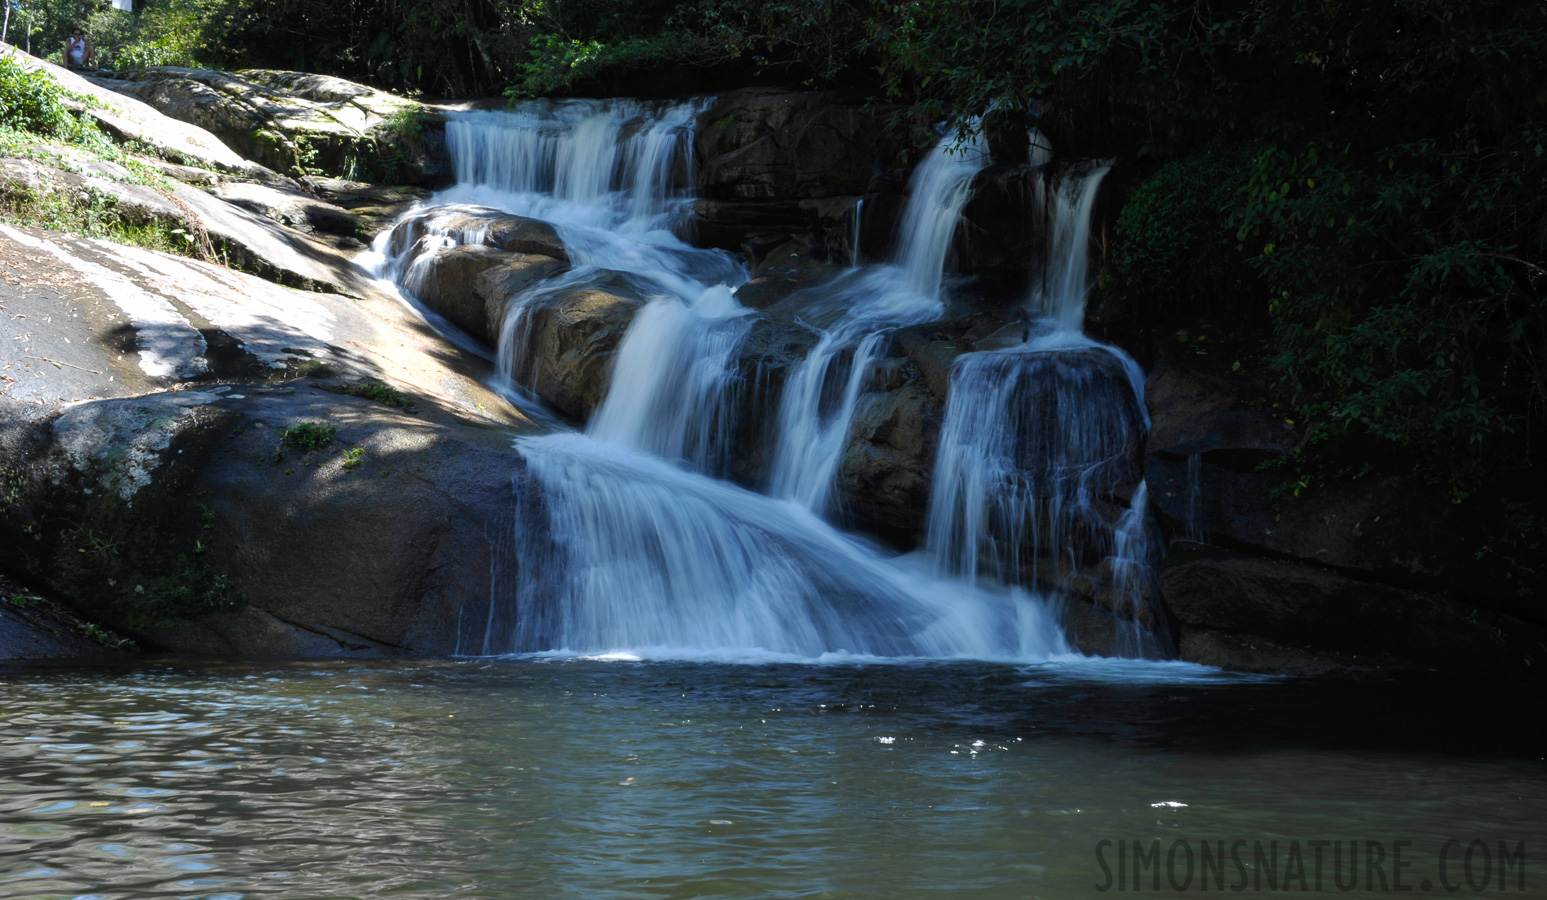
[{"x": 571, "y": 777}]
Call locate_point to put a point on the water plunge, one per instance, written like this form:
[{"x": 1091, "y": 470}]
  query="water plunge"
[
  {"x": 623, "y": 542},
  {"x": 866, "y": 308}
]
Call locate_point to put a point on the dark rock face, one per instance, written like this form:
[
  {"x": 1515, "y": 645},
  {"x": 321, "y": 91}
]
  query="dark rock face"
[
  {"x": 889, "y": 462},
  {"x": 186, "y": 521},
  {"x": 780, "y": 163},
  {"x": 1308, "y": 612},
  {"x": 148, "y": 482},
  {"x": 999, "y": 230},
  {"x": 1352, "y": 577},
  {"x": 762, "y": 144}
]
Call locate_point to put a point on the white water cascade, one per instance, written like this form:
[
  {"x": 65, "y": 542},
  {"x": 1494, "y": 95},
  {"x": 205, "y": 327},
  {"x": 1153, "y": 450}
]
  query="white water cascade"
[
  {"x": 642, "y": 557},
  {"x": 1059, "y": 294},
  {"x": 1039, "y": 439},
  {"x": 864, "y": 309},
  {"x": 623, "y": 541}
]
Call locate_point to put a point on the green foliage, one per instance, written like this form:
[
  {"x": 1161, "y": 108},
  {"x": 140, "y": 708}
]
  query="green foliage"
[
  {"x": 48, "y": 24},
  {"x": 32, "y": 101},
  {"x": 353, "y": 458},
  {"x": 104, "y": 636},
  {"x": 1401, "y": 307},
  {"x": 821, "y": 40},
  {"x": 95, "y": 216},
  {"x": 108, "y": 638},
  {"x": 164, "y": 33},
  {"x": 1175, "y": 236},
  {"x": 380, "y": 393},
  {"x": 556, "y": 64},
  {"x": 1133, "y": 70},
  {"x": 308, "y": 436},
  {"x": 399, "y": 140}
]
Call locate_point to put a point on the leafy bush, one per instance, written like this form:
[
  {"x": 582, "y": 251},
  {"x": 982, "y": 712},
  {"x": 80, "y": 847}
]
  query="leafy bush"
[
  {"x": 32, "y": 101},
  {"x": 556, "y": 64},
  {"x": 1176, "y": 237},
  {"x": 1402, "y": 306}
]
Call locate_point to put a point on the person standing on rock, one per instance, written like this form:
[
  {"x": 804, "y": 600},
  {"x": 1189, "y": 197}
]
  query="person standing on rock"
[{"x": 78, "y": 52}]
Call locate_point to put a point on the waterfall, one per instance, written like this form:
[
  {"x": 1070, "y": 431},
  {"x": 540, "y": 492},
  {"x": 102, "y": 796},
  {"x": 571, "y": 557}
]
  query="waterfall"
[
  {"x": 867, "y": 308},
  {"x": 1039, "y": 437},
  {"x": 673, "y": 386},
  {"x": 623, "y": 540},
  {"x": 856, "y": 233},
  {"x": 1033, "y": 437},
  {"x": 939, "y": 188},
  {"x": 1040, "y": 149},
  {"x": 612, "y": 178},
  {"x": 601, "y": 163},
  {"x": 1060, "y": 292},
  {"x": 642, "y": 557}
]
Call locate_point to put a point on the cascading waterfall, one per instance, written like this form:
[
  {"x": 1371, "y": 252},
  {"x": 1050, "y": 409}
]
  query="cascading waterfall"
[
  {"x": 640, "y": 556},
  {"x": 610, "y": 177},
  {"x": 1033, "y": 435},
  {"x": 624, "y": 544},
  {"x": 856, "y": 232},
  {"x": 867, "y": 308},
  {"x": 1060, "y": 292},
  {"x": 1038, "y": 437},
  {"x": 673, "y": 388}
]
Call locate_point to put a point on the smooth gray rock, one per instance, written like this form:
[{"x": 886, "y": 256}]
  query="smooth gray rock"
[
  {"x": 143, "y": 402},
  {"x": 129, "y": 119}
]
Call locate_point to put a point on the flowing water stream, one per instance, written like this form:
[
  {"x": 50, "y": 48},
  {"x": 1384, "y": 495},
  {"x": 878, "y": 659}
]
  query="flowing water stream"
[{"x": 629, "y": 542}]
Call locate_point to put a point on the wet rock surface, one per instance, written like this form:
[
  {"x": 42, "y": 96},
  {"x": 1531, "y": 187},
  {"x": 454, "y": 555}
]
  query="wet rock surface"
[
  {"x": 771, "y": 162},
  {"x": 578, "y": 325},
  {"x": 1343, "y": 577}
]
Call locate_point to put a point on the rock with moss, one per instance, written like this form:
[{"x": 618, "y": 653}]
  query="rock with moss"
[
  {"x": 301, "y": 124},
  {"x": 128, "y": 119}
]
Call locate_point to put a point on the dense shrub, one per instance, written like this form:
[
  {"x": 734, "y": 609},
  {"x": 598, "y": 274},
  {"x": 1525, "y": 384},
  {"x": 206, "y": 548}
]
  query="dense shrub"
[
  {"x": 1176, "y": 242},
  {"x": 33, "y": 102}
]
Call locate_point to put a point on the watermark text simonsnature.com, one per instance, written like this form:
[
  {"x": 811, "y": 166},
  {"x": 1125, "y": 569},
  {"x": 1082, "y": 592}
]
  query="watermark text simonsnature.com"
[{"x": 1337, "y": 866}]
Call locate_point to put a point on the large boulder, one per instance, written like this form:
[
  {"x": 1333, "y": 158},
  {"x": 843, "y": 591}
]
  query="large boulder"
[
  {"x": 567, "y": 336},
  {"x": 764, "y": 144},
  {"x": 472, "y": 284},
  {"x": 771, "y": 161},
  {"x": 888, "y": 465},
  {"x": 188, "y": 451},
  {"x": 298, "y": 123},
  {"x": 210, "y": 226},
  {"x": 1269, "y": 570},
  {"x": 476, "y": 225}
]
